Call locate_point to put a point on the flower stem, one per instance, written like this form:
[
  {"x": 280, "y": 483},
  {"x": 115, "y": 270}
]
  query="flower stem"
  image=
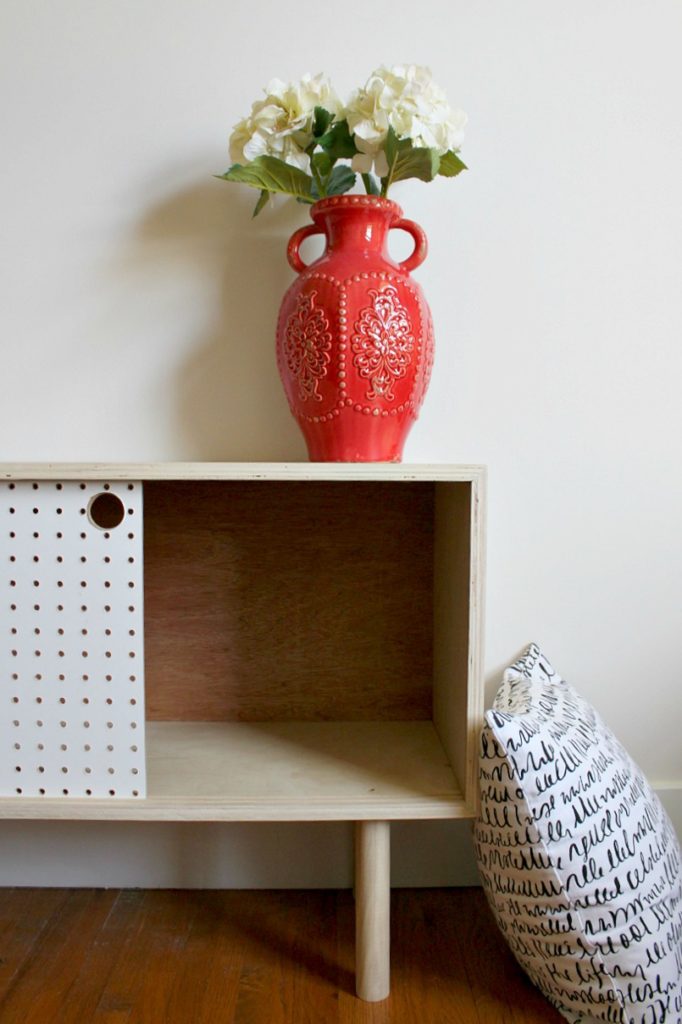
[
  {"x": 318, "y": 181},
  {"x": 371, "y": 187}
]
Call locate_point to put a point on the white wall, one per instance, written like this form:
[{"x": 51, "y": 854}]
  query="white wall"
[{"x": 138, "y": 300}]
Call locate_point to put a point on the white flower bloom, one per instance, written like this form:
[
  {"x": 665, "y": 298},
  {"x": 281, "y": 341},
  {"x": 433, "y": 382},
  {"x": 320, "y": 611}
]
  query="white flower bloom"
[
  {"x": 281, "y": 124},
  {"x": 406, "y": 98},
  {"x": 368, "y": 159}
]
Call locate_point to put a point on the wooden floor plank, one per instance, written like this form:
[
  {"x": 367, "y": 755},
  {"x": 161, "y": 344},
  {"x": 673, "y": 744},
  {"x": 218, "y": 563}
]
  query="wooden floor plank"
[
  {"x": 502, "y": 992},
  {"x": 24, "y": 914},
  {"x": 289, "y": 959},
  {"x": 207, "y": 982},
  {"x": 244, "y": 957},
  {"x": 39, "y": 991},
  {"x": 105, "y": 953},
  {"x": 429, "y": 980},
  {"x": 125, "y": 979},
  {"x": 139, "y": 990}
]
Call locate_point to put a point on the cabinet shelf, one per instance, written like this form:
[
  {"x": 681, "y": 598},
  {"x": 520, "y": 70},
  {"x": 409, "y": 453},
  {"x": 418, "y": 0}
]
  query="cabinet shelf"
[{"x": 283, "y": 771}]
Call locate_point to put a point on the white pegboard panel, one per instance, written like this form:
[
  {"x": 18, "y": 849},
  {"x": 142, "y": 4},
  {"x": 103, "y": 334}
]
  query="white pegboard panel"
[{"x": 71, "y": 620}]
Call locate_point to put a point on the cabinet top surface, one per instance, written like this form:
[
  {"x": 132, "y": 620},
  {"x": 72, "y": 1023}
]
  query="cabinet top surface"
[{"x": 238, "y": 471}]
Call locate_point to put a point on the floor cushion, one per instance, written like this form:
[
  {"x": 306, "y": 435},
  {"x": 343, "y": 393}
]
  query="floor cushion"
[{"x": 579, "y": 860}]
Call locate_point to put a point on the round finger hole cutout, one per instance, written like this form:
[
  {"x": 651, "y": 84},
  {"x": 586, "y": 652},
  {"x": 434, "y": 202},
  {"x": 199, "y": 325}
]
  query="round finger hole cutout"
[{"x": 106, "y": 511}]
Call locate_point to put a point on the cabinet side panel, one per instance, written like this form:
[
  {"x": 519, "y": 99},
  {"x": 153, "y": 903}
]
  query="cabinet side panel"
[
  {"x": 289, "y": 601},
  {"x": 457, "y": 626}
]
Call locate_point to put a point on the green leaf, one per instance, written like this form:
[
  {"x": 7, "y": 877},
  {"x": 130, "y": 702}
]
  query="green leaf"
[
  {"x": 371, "y": 186},
  {"x": 416, "y": 162},
  {"x": 341, "y": 180},
  {"x": 391, "y": 146},
  {"x": 262, "y": 200},
  {"x": 321, "y": 121},
  {"x": 408, "y": 161},
  {"x": 322, "y": 162},
  {"x": 270, "y": 174},
  {"x": 338, "y": 141},
  {"x": 450, "y": 165}
]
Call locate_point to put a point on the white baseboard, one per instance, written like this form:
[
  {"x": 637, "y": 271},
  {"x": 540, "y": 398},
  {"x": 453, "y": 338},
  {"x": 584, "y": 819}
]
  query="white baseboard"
[{"x": 224, "y": 856}]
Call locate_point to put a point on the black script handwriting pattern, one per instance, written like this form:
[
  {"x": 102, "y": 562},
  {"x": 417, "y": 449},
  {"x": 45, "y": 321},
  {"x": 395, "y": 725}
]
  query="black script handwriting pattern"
[{"x": 578, "y": 858}]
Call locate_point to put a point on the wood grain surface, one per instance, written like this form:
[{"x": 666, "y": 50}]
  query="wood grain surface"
[
  {"x": 178, "y": 957},
  {"x": 289, "y": 601}
]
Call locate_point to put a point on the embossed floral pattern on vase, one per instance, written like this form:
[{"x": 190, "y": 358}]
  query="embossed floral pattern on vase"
[
  {"x": 307, "y": 344},
  {"x": 383, "y": 343}
]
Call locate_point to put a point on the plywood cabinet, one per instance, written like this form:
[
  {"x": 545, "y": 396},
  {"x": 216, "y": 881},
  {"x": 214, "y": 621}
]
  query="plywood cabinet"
[{"x": 312, "y": 639}]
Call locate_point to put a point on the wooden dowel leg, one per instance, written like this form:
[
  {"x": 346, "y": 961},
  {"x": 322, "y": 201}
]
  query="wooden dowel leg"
[{"x": 372, "y": 909}]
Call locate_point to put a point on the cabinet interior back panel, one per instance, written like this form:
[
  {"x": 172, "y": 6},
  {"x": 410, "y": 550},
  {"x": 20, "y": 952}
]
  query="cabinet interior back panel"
[
  {"x": 71, "y": 621},
  {"x": 289, "y": 600}
]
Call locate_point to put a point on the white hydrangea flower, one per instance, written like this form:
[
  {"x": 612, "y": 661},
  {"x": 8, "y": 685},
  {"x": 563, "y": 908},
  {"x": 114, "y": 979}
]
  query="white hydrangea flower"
[
  {"x": 281, "y": 124},
  {"x": 406, "y": 98}
]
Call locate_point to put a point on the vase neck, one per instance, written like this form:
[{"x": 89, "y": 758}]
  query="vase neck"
[{"x": 362, "y": 227}]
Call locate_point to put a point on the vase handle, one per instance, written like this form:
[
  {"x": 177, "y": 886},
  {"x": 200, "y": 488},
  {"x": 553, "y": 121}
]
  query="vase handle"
[
  {"x": 421, "y": 245},
  {"x": 295, "y": 261}
]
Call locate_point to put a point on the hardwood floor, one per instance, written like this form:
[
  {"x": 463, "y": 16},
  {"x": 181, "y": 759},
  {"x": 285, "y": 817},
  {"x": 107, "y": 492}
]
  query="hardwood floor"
[{"x": 74, "y": 956}]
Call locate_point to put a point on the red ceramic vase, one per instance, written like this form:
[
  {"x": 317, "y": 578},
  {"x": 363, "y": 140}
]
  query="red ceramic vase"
[{"x": 355, "y": 335}]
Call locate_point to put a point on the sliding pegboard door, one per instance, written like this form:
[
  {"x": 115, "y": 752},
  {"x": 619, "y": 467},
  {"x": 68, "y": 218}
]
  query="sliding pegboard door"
[{"x": 72, "y": 655}]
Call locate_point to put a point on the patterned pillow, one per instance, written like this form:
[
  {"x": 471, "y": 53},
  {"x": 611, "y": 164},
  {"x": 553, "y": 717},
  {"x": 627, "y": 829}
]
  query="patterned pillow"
[{"x": 579, "y": 860}]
